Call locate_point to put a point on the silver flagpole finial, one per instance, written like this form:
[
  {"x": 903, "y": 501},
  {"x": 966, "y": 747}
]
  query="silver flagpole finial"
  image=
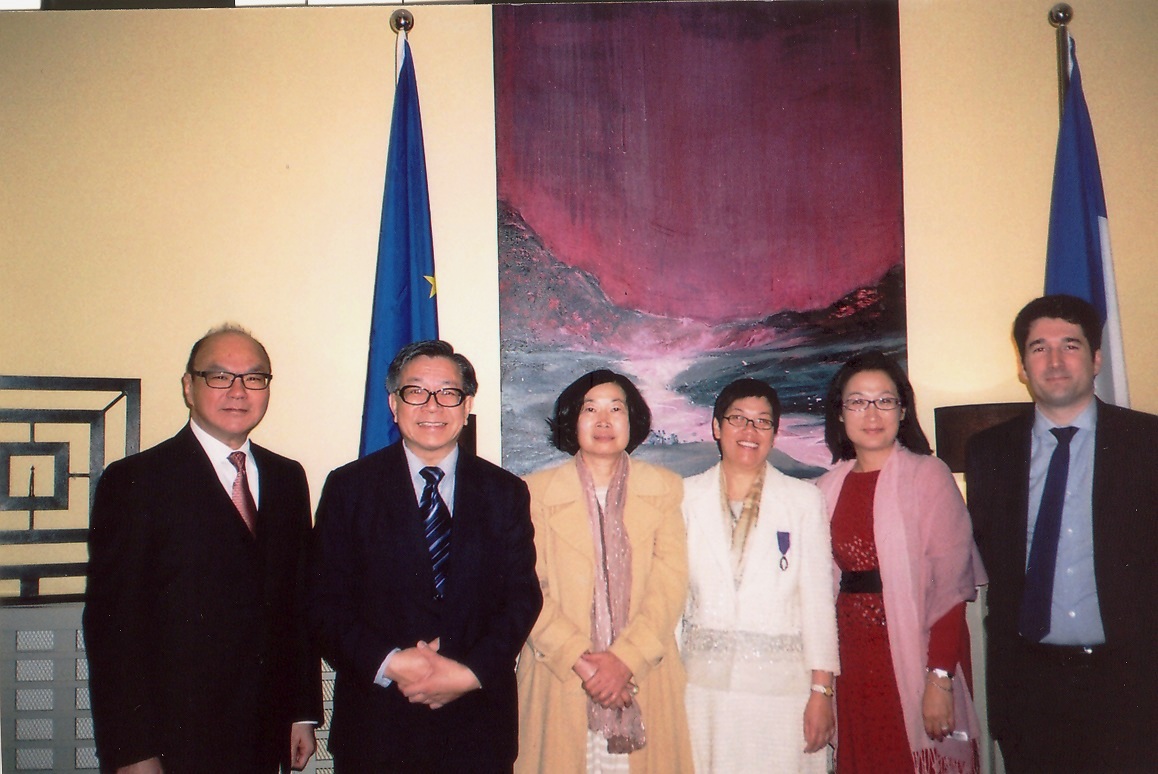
[
  {"x": 1061, "y": 14},
  {"x": 403, "y": 21}
]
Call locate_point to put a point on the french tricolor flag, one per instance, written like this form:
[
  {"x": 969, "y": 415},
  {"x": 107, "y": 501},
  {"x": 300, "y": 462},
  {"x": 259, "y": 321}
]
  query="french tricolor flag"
[{"x": 1078, "y": 260}]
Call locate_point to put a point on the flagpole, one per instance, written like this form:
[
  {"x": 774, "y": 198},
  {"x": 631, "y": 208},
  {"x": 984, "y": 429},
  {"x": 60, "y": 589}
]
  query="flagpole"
[
  {"x": 1060, "y": 16},
  {"x": 401, "y": 21},
  {"x": 405, "y": 309}
]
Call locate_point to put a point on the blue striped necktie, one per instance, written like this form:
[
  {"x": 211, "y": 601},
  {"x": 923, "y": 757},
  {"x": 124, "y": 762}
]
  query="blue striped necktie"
[{"x": 436, "y": 525}]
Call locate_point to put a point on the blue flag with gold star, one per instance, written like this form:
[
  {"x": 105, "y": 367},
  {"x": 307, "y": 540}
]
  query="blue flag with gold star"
[{"x": 405, "y": 308}]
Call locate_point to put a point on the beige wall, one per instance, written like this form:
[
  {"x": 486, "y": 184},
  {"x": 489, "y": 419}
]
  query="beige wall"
[
  {"x": 980, "y": 130},
  {"x": 163, "y": 171}
]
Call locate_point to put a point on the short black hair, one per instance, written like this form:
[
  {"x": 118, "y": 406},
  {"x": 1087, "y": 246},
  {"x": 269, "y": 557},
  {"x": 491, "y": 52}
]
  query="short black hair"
[
  {"x": 430, "y": 348},
  {"x": 564, "y": 423},
  {"x": 229, "y": 327},
  {"x": 747, "y": 388},
  {"x": 1058, "y": 306},
  {"x": 910, "y": 434}
]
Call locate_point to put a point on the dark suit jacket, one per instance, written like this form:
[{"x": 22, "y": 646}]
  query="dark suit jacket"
[
  {"x": 197, "y": 647},
  {"x": 375, "y": 592},
  {"x": 1125, "y": 499}
]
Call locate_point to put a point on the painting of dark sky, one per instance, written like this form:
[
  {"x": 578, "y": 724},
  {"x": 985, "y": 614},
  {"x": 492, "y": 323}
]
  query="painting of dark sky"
[
  {"x": 706, "y": 161},
  {"x": 690, "y": 193}
]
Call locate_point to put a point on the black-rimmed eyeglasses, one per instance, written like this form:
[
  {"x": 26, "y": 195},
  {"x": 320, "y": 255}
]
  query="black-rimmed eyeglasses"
[
  {"x": 739, "y": 421},
  {"x": 887, "y": 403},
  {"x": 447, "y": 397},
  {"x": 223, "y": 380}
]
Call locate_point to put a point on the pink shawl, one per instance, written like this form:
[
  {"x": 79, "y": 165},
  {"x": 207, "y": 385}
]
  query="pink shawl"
[{"x": 929, "y": 564}]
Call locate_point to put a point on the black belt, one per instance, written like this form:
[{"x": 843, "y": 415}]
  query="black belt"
[
  {"x": 1064, "y": 654},
  {"x": 860, "y": 581}
]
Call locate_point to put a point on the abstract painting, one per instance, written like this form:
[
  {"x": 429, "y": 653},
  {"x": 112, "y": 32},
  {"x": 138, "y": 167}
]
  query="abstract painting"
[{"x": 690, "y": 193}]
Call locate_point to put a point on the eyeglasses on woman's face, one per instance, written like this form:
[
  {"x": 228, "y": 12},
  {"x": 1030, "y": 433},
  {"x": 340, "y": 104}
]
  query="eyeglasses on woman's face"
[
  {"x": 887, "y": 403},
  {"x": 739, "y": 421}
]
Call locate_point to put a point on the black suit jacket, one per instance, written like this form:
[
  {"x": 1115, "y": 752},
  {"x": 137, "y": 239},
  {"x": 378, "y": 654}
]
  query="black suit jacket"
[
  {"x": 1125, "y": 501},
  {"x": 197, "y": 646},
  {"x": 375, "y": 592}
]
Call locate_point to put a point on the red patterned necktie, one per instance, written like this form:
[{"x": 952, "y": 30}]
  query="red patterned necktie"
[{"x": 242, "y": 497}]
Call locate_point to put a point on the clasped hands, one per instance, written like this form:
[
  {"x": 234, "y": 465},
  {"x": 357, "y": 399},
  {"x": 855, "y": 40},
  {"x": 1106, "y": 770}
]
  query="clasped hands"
[
  {"x": 426, "y": 677},
  {"x": 606, "y": 679}
]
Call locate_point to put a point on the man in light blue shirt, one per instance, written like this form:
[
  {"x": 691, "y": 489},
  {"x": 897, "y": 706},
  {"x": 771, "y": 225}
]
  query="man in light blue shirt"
[{"x": 1064, "y": 503}]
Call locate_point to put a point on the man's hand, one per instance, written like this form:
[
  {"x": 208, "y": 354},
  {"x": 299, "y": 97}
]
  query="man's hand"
[
  {"x": 610, "y": 686},
  {"x": 302, "y": 745},
  {"x": 409, "y": 666},
  {"x": 147, "y": 766},
  {"x": 446, "y": 681}
]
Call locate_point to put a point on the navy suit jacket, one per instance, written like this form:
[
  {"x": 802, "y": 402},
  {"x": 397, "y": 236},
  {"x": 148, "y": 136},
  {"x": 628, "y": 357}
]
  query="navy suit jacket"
[
  {"x": 374, "y": 591},
  {"x": 1125, "y": 501},
  {"x": 197, "y": 647}
]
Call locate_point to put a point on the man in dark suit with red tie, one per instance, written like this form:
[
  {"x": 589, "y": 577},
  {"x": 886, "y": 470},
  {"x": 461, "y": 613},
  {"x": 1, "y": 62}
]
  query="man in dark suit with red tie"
[
  {"x": 1064, "y": 500},
  {"x": 199, "y": 655},
  {"x": 424, "y": 573}
]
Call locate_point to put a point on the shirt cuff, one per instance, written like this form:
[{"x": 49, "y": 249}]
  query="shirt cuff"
[{"x": 381, "y": 678}]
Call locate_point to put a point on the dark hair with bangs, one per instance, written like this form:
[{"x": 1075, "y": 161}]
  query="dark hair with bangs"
[
  {"x": 747, "y": 388},
  {"x": 564, "y": 422},
  {"x": 910, "y": 434}
]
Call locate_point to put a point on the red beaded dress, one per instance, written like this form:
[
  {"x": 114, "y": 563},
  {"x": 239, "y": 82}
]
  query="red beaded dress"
[{"x": 871, "y": 736}]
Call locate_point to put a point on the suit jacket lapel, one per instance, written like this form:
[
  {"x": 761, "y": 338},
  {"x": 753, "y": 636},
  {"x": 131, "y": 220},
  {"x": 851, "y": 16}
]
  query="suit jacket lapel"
[
  {"x": 1019, "y": 450},
  {"x": 707, "y": 528},
  {"x": 201, "y": 481},
  {"x": 469, "y": 514},
  {"x": 1106, "y": 501},
  {"x": 401, "y": 519},
  {"x": 566, "y": 511}
]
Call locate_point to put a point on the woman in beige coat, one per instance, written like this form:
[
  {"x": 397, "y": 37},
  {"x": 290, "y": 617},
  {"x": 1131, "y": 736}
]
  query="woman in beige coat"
[{"x": 601, "y": 685}]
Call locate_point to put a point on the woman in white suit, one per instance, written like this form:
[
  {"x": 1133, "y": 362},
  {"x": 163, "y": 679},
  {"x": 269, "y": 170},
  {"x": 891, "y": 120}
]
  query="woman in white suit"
[{"x": 759, "y": 632}]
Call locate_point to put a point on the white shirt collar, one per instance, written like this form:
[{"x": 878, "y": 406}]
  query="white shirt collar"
[{"x": 217, "y": 450}]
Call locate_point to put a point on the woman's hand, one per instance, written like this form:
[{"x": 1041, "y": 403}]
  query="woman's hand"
[
  {"x": 610, "y": 686},
  {"x": 819, "y": 722},
  {"x": 937, "y": 706}
]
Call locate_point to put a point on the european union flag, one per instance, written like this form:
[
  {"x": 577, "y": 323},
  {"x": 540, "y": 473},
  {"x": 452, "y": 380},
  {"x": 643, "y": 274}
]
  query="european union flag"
[{"x": 405, "y": 308}]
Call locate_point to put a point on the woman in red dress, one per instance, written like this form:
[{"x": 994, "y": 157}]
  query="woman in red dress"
[{"x": 905, "y": 565}]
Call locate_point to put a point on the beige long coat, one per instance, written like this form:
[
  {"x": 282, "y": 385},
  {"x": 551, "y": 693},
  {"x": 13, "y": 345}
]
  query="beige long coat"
[{"x": 552, "y": 702}]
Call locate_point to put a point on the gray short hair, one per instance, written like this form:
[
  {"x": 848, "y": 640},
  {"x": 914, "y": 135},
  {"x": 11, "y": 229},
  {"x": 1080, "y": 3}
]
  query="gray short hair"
[{"x": 430, "y": 348}]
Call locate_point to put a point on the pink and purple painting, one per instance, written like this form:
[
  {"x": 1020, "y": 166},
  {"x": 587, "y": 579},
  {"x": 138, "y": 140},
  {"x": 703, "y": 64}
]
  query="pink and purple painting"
[{"x": 690, "y": 193}]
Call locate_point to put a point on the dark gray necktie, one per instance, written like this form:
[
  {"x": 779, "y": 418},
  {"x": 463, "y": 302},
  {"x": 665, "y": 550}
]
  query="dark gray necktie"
[
  {"x": 436, "y": 525},
  {"x": 1037, "y": 600}
]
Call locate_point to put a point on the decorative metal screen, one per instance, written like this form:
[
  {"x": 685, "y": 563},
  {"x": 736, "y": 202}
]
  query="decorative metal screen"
[{"x": 56, "y": 436}]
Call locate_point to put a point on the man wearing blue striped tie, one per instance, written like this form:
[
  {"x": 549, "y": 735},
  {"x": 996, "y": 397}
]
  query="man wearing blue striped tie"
[{"x": 425, "y": 586}]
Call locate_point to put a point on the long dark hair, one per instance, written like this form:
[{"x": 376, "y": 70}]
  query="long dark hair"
[{"x": 910, "y": 434}]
